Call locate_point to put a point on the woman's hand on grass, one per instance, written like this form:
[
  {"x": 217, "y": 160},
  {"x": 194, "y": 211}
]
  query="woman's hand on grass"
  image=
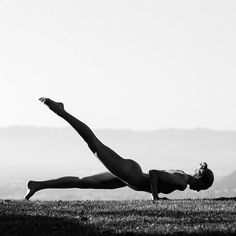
[{"x": 160, "y": 199}]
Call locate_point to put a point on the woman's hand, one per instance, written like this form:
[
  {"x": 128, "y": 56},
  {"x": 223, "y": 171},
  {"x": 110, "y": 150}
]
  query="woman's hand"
[
  {"x": 160, "y": 199},
  {"x": 164, "y": 198},
  {"x": 155, "y": 200}
]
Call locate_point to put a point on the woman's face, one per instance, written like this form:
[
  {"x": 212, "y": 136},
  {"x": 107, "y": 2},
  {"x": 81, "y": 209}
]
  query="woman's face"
[
  {"x": 197, "y": 184},
  {"x": 202, "y": 179}
]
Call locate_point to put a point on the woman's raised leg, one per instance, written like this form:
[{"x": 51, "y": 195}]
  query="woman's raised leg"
[
  {"x": 100, "y": 181},
  {"x": 127, "y": 170}
]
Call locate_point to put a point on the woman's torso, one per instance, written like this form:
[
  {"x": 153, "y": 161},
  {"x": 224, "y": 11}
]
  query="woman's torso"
[{"x": 168, "y": 181}]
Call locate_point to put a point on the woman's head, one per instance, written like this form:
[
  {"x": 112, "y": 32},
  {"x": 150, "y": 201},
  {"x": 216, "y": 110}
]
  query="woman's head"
[{"x": 203, "y": 178}]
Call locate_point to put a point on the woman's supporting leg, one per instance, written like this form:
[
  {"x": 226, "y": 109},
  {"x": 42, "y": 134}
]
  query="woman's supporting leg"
[
  {"x": 127, "y": 170},
  {"x": 100, "y": 181}
]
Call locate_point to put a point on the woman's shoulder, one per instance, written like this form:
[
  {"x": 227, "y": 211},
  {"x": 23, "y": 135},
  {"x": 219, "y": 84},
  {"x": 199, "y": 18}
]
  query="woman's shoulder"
[{"x": 180, "y": 172}]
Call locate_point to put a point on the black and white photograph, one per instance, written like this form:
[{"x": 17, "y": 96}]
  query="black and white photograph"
[{"x": 118, "y": 117}]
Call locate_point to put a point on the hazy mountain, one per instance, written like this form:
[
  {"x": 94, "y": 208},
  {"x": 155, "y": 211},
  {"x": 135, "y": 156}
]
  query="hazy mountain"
[
  {"x": 42, "y": 153},
  {"x": 226, "y": 185}
]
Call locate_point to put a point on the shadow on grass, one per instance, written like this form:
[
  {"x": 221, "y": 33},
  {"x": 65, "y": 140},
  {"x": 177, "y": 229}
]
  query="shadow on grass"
[
  {"x": 48, "y": 225},
  {"x": 45, "y": 225},
  {"x": 190, "y": 218}
]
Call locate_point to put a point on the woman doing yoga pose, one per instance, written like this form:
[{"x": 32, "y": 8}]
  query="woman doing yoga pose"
[{"x": 122, "y": 172}]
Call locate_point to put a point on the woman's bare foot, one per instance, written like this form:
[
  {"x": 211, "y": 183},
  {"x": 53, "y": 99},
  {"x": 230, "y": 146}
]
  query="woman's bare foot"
[
  {"x": 32, "y": 189},
  {"x": 57, "y": 107}
]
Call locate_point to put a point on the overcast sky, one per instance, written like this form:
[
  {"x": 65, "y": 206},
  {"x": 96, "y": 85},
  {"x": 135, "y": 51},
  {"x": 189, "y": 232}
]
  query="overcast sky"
[{"x": 119, "y": 64}]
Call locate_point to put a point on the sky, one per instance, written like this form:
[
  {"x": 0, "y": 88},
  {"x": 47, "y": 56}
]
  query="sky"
[{"x": 127, "y": 64}]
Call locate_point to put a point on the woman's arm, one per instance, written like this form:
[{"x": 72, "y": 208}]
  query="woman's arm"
[
  {"x": 153, "y": 177},
  {"x": 166, "y": 182}
]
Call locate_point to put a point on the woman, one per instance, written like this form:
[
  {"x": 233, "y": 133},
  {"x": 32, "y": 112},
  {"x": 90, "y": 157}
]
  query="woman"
[{"x": 123, "y": 172}]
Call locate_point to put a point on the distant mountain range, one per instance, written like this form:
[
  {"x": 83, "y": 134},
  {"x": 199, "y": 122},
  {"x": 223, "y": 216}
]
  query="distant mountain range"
[
  {"x": 29, "y": 152},
  {"x": 226, "y": 184}
]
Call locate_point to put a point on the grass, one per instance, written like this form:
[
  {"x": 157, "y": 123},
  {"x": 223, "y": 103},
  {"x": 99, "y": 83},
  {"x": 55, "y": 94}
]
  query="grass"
[{"x": 171, "y": 217}]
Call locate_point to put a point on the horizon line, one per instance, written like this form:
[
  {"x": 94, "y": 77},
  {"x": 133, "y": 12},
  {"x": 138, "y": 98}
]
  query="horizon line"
[{"x": 121, "y": 129}]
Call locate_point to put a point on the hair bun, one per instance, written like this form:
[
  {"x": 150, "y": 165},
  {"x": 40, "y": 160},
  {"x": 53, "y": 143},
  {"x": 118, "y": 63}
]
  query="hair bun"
[{"x": 203, "y": 165}]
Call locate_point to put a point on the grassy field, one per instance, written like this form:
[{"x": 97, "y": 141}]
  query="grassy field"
[{"x": 170, "y": 217}]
